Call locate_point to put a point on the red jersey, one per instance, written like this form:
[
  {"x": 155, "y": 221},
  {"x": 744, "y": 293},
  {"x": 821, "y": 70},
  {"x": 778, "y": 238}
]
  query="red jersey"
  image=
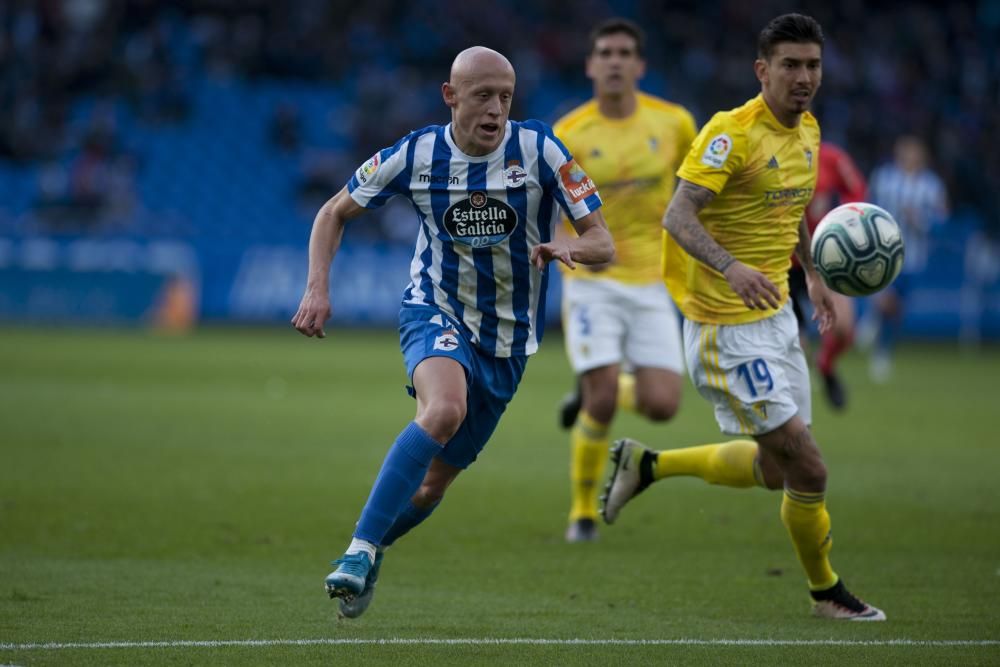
[{"x": 838, "y": 182}]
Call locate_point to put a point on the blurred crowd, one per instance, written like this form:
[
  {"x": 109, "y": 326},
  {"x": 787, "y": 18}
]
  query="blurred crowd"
[{"x": 926, "y": 69}]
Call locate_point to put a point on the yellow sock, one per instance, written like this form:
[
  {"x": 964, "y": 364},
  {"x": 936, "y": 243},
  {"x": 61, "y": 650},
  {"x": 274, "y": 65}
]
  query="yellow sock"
[
  {"x": 589, "y": 443},
  {"x": 808, "y": 523},
  {"x": 729, "y": 464},
  {"x": 626, "y": 391}
]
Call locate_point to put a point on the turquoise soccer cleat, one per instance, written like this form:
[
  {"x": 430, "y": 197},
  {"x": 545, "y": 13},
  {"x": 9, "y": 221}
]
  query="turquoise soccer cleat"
[
  {"x": 348, "y": 580},
  {"x": 352, "y": 608}
]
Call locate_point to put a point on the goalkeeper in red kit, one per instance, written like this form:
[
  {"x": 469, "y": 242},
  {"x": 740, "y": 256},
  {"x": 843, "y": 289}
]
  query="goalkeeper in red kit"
[{"x": 839, "y": 182}]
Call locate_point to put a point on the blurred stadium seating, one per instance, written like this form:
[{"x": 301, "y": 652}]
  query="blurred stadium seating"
[{"x": 197, "y": 138}]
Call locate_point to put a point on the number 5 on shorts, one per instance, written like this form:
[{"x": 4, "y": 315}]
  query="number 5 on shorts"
[{"x": 583, "y": 317}]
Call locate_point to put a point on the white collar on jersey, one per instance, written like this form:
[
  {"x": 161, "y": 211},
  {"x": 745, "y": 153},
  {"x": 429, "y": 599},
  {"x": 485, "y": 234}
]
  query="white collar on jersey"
[{"x": 477, "y": 158}]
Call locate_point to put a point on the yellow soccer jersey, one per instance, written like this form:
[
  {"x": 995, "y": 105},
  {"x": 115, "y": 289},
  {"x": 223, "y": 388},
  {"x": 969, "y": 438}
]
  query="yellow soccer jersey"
[
  {"x": 633, "y": 162},
  {"x": 763, "y": 175}
]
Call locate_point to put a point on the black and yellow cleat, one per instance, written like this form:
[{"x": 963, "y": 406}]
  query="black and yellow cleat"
[
  {"x": 582, "y": 530},
  {"x": 838, "y": 603}
]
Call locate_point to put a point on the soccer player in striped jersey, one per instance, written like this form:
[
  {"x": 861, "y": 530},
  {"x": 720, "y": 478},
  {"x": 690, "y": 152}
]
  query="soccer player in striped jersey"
[
  {"x": 917, "y": 198},
  {"x": 736, "y": 217},
  {"x": 488, "y": 192},
  {"x": 631, "y": 144},
  {"x": 839, "y": 182}
]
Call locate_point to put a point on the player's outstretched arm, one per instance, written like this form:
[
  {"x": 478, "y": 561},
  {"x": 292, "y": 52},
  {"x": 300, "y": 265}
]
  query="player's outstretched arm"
[
  {"x": 327, "y": 232},
  {"x": 681, "y": 221},
  {"x": 594, "y": 245}
]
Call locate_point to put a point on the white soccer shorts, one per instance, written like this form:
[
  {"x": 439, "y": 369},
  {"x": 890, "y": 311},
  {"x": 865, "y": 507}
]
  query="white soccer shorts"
[
  {"x": 608, "y": 322},
  {"x": 755, "y": 374}
]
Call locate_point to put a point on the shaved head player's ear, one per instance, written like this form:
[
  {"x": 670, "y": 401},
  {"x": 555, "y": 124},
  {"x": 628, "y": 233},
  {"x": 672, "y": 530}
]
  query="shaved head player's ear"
[{"x": 448, "y": 94}]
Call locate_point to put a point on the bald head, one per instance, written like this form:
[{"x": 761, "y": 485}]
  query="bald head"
[
  {"x": 476, "y": 62},
  {"x": 479, "y": 93}
]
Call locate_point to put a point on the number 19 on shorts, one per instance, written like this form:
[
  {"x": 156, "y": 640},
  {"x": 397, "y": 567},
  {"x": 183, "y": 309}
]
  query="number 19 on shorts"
[{"x": 757, "y": 376}]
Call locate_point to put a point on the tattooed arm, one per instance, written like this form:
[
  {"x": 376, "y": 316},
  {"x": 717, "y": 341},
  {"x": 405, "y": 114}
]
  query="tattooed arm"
[{"x": 681, "y": 221}]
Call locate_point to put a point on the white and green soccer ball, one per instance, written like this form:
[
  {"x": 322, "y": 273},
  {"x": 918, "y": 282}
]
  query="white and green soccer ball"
[{"x": 857, "y": 249}]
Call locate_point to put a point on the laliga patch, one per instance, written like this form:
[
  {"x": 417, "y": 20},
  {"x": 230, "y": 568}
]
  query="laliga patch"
[
  {"x": 575, "y": 180},
  {"x": 368, "y": 169},
  {"x": 717, "y": 151},
  {"x": 446, "y": 342}
]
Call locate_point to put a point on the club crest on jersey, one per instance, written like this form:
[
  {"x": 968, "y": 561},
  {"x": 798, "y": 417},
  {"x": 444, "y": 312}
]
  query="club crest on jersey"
[
  {"x": 368, "y": 169},
  {"x": 809, "y": 158},
  {"x": 514, "y": 176},
  {"x": 446, "y": 341},
  {"x": 480, "y": 221},
  {"x": 577, "y": 183},
  {"x": 717, "y": 151}
]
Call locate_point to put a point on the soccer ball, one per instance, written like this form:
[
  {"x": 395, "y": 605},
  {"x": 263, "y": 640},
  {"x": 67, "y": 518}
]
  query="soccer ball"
[{"x": 857, "y": 249}]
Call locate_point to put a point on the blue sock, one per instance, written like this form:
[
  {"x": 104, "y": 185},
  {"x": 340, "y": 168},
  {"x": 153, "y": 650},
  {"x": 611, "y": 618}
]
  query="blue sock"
[
  {"x": 401, "y": 474},
  {"x": 408, "y": 519}
]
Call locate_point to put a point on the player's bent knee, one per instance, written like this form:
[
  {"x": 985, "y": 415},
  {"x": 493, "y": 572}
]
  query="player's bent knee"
[
  {"x": 600, "y": 405},
  {"x": 442, "y": 419},
  {"x": 792, "y": 450},
  {"x": 807, "y": 475},
  {"x": 816, "y": 473},
  {"x": 660, "y": 411}
]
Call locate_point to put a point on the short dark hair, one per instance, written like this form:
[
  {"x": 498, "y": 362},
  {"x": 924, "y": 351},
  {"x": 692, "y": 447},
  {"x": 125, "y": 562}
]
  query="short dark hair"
[
  {"x": 797, "y": 28},
  {"x": 616, "y": 26}
]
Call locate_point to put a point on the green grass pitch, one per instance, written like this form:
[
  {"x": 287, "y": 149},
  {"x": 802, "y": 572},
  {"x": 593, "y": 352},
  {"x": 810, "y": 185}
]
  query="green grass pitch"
[{"x": 170, "y": 489}]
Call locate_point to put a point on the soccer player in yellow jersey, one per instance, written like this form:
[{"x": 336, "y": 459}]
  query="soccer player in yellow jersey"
[
  {"x": 731, "y": 227},
  {"x": 630, "y": 144}
]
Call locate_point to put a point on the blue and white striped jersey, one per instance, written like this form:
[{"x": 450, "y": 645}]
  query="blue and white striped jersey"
[
  {"x": 917, "y": 200},
  {"x": 480, "y": 217}
]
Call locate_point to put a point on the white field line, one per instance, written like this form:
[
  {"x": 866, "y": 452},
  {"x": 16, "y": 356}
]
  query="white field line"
[{"x": 500, "y": 641}]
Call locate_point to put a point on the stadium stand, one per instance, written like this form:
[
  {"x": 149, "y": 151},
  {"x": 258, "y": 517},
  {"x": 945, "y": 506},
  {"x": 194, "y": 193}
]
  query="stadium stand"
[{"x": 222, "y": 125}]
